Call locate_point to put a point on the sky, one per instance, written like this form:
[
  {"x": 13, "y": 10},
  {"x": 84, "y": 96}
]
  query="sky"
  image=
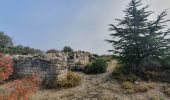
[{"x": 80, "y": 24}]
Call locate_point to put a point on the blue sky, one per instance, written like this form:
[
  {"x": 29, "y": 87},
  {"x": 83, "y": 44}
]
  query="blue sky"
[{"x": 81, "y": 24}]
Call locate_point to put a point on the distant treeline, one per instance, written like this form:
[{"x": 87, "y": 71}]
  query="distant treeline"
[
  {"x": 19, "y": 50},
  {"x": 7, "y": 47}
]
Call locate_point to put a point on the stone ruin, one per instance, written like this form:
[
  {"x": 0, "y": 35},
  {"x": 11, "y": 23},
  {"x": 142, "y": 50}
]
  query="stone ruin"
[
  {"x": 46, "y": 67},
  {"x": 51, "y": 65},
  {"x": 77, "y": 61}
]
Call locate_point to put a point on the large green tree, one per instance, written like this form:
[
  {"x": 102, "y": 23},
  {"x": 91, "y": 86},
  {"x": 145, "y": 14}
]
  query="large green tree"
[{"x": 135, "y": 37}]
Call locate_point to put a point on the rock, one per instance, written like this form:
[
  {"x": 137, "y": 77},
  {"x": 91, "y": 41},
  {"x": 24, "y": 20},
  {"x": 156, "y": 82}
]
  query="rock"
[
  {"x": 136, "y": 82},
  {"x": 93, "y": 95}
]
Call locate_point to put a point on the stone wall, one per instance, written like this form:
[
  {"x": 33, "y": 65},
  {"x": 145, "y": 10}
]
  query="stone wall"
[
  {"x": 45, "y": 67},
  {"x": 51, "y": 65},
  {"x": 78, "y": 60}
]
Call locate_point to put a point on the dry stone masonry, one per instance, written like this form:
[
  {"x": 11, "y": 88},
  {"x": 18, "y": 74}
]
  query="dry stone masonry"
[
  {"x": 78, "y": 60},
  {"x": 42, "y": 66},
  {"x": 51, "y": 65}
]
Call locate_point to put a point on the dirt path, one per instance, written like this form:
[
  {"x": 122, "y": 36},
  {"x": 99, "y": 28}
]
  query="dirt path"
[{"x": 95, "y": 87}]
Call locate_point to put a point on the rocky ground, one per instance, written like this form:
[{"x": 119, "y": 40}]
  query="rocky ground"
[{"x": 100, "y": 87}]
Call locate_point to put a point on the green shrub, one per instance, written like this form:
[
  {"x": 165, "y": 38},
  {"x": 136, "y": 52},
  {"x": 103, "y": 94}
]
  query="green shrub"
[
  {"x": 96, "y": 67},
  {"x": 128, "y": 77},
  {"x": 107, "y": 57},
  {"x": 68, "y": 80},
  {"x": 149, "y": 70},
  {"x": 121, "y": 73}
]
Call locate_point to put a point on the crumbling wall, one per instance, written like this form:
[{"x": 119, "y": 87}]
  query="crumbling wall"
[
  {"x": 51, "y": 65},
  {"x": 79, "y": 60},
  {"x": 45, "y": 67}
]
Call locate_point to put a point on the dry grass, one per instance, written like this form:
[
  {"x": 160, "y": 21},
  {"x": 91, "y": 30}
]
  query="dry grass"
[
  {"x": 101, "y": 87},
  {"x": 140, "y": 87},
  {"x": 167, "y": 91},
  {"x": 71, "y": 79},
  {"x": 156, "y": 97},
  {"x": 127, "y": 85}
]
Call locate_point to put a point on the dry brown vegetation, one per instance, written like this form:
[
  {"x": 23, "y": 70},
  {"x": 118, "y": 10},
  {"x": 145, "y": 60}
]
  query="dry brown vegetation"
[
  {"x": 70, "y": 79},
  {"x": 167, "y": 90},
  {"x": 19, "y": 89},
  {"x": 138, "y": 87},
  {"x": 102, "y": 87}
]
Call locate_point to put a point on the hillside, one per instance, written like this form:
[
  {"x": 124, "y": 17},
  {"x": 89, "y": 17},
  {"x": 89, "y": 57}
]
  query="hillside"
[{"x": 101, "y": 87}]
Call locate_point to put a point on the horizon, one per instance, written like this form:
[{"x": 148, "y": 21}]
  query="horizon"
[{"x": 82, "y": 25}]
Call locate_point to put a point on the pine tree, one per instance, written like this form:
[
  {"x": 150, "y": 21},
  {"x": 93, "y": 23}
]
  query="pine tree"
[{"x": 135, "y": 37}]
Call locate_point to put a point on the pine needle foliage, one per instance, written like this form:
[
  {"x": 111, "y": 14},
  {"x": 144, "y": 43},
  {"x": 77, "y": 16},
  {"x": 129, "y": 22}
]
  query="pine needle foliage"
[{"x": 135, "y": 37}]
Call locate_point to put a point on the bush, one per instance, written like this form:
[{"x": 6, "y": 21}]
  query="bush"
[
  {"x": 96, "y": 67},
  {"x": 20, "y": 89},
  {"x": 129, "y": 77},
  {"x": 148, "y": 70},
  {"x": 127, "y": 85},
  {"x": 121, "y": 73},
  {"x": 6, "y": 68},
  {"x": 68, "y": 80},
  {"x": 107, "y": 57},
  {"x": 149, "y": 64},
  {"x": 152, "y": 70},
  {"x": 51, "y": 51}
]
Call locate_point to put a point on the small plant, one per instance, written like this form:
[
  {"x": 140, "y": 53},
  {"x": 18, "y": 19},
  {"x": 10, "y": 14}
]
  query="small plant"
[
  {"x": 51, "y": 51},
  {"x": 6, "y": 68},
  {"x": 127, "y": 85},
  {"x": 68, "y": 80},
  {"x": 96, "y": 67}
]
